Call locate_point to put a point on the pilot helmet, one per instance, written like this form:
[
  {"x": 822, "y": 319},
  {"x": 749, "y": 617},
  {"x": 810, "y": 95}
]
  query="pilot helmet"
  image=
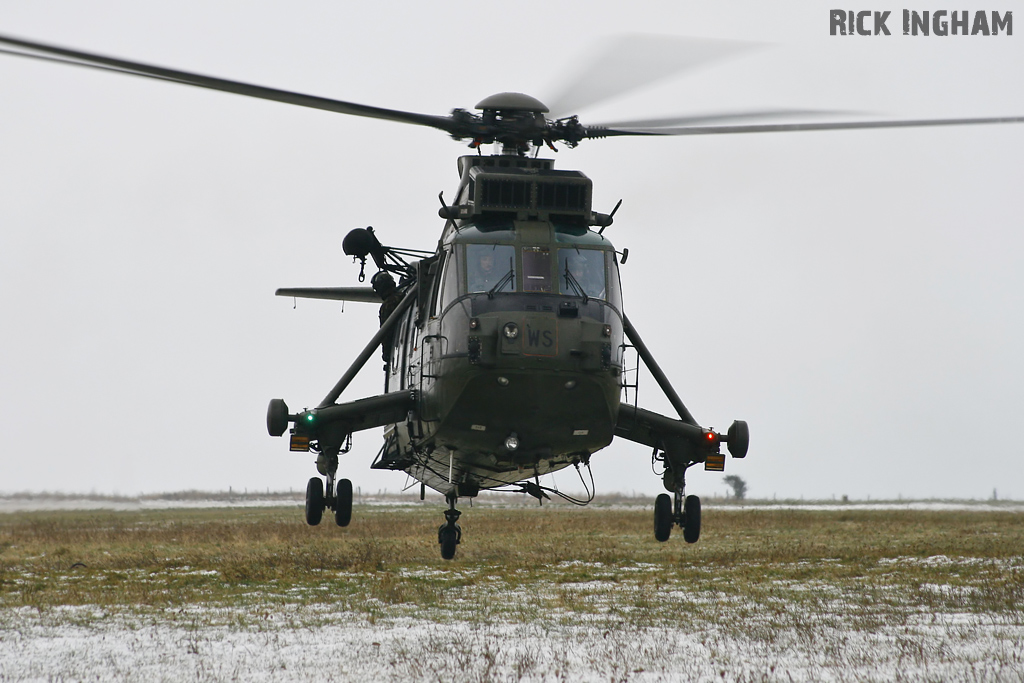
[{"x": 383, "y": 284}]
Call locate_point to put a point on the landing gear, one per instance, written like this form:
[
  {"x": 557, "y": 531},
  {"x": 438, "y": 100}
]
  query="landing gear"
[
  {"x": 315, "y": 503},
  {"x": 449, "y": 534},
  {"x": 680, "y": 509},
  {"x": 691, "y": 519},
  {"x": 663, "y": 517},
  {"x": 343, "y": 503}
]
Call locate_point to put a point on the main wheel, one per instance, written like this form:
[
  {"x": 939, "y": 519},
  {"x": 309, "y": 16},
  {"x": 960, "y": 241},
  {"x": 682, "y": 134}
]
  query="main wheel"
[
  {"x": 662, "y": 517},
  {"x": 314, "y": 501},
  {"x": 343, "y": 503},
  {"x": 691, "y": 519},
  {"x": 449, "y": 537}
]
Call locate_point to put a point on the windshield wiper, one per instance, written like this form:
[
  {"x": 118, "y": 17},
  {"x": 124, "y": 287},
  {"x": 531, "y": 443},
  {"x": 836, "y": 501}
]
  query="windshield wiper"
[
  {"x": 500, "y": 284},
  {"x": 574, "y": 284}
]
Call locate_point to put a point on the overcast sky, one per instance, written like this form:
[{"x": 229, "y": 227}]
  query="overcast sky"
[{"x": 857, "y": 297}]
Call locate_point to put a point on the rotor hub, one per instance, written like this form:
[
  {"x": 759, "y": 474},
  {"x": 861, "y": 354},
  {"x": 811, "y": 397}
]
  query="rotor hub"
[{"x": 512, "y": 102}]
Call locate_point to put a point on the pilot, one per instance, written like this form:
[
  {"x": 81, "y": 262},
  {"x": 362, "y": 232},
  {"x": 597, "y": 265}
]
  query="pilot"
[
  {"x": 591, "y": 282},
  {"x": 577, "y": 267},
  {"x": 483, "y": 274},
  {"x": 384, "y": 285}
]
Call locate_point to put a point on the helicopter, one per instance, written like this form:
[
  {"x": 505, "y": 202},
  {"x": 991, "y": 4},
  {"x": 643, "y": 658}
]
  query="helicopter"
[{"x": 495, "y": 375}]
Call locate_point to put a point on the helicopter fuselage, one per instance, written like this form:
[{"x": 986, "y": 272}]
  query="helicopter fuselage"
[{"x": 517, "y": 365}]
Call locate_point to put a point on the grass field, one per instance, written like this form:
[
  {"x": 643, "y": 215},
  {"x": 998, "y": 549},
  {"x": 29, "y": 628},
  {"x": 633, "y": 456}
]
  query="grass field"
[{"x": 551, "y": 593}]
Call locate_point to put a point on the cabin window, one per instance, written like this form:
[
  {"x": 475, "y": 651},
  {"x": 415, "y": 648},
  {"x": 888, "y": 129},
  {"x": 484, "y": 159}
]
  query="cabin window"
[
  {"x": 536, "y": 269},
  {"x": 581, "y": 272},
  {"x": 449, "y": 281},
  {"x": 490, "y": 266}
]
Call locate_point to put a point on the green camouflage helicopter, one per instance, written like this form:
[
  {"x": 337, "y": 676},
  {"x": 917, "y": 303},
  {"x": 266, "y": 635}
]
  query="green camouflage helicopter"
[{"x": 506, "y": 348}]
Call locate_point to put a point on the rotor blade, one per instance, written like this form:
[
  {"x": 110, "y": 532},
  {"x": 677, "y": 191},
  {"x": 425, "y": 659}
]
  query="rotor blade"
[
  {"x": 794, "y": 127},
  {"x": 365, "y": 294},
  {"x": 630, "y": 62},
  {"x": 62, "y": 55},
  {"x": 719, "y": 117}
]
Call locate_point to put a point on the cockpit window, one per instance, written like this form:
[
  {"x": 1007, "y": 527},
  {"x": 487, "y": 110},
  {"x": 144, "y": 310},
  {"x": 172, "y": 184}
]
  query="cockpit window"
[
  {"x": 536, "y": 269},
  {"x": 581, "y": 273},
  {"x": 490, "y": 266}
]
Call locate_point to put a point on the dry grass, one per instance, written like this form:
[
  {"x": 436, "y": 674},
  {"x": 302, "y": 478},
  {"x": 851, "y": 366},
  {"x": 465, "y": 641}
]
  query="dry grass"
[{"x": 220, "y": 556}]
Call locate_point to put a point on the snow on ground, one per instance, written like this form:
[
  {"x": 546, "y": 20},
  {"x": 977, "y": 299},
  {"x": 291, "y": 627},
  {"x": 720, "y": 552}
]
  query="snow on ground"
[{"x": 274, "y": 643}]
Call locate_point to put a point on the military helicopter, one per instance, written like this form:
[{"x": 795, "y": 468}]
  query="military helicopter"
[{"x": 506, "y": 348}]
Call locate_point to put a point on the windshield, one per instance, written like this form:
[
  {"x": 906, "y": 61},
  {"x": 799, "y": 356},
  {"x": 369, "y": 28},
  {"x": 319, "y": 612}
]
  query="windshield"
[
  {"x": 581, "y": 272},
  {"x": 489, "y": 266}
]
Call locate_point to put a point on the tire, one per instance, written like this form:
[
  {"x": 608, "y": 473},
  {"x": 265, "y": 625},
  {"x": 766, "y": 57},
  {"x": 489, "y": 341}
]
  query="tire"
[
  {"x": 277, "y": 417},
  {"x": 314, "y": 501},
  {"x": 449, "y": 537},
  {"x": 739, "y": 439},
  {"x": 691, "y": 519},
  {"x": 343, "y": 503},
  {"x": 662, "y": 517}
]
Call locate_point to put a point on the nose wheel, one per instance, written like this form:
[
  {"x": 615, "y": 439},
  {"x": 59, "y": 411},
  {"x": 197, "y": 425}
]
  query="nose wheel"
[
  {"x": 679, "y": 509},
  {"x": 449, "y": 534}
]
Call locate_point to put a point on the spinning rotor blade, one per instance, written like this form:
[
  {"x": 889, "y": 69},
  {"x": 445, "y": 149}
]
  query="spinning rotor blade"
[
  {"x": 630, "y": 62},
  {"x": 593, "y": 132},
  {"x": 721, "y": 117},
  {"x": 627, "y": 63},
  {"x": 62, "y": 55}
]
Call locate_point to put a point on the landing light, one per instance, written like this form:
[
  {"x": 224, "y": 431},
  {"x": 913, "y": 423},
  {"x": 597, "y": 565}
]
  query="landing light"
[
  {"x": 511, "y": 330},
  {"x": 571, "y": 384},
  {"x": 512, "y": 442},
  {"x": 503, "y": 381}
]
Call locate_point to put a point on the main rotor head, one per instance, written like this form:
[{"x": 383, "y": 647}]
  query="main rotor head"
[{"x": 516, "y": 121}]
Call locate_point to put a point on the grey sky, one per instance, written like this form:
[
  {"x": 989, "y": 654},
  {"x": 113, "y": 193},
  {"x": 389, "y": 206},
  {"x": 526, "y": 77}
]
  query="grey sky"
[{"x": 856, "y": 296}]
